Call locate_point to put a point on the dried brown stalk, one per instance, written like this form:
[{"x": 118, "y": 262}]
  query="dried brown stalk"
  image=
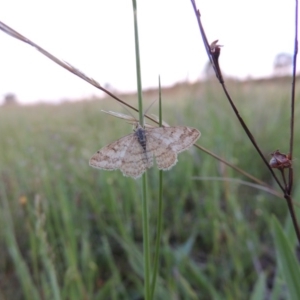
[{"x": 279, "y": 160}]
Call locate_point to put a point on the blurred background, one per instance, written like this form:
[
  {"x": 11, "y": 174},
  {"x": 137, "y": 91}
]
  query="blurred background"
[
  {"x": 68, "y": 231},
  {"x": 97, "y": 38}
]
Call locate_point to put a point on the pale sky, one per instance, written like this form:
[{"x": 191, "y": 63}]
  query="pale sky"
[{"x": 97, "y": 37}]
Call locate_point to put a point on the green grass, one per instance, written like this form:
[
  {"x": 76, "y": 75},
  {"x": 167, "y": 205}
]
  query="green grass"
[{"x": 68, "y": 231}]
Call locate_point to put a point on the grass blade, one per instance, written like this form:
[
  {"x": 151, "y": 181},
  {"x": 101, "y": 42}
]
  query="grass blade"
[
  {"x": 144, "y": 178},
  {"x": 159, "y": 213},
  {"x": 259, "y": 288},
  {"x": 288, "y": 263}
]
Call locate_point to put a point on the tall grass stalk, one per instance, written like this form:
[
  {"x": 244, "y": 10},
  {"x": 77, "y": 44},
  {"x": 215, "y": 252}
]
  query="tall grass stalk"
[
  {"x": 144, "y": 177},
  {"x": 159, "y": 212}
]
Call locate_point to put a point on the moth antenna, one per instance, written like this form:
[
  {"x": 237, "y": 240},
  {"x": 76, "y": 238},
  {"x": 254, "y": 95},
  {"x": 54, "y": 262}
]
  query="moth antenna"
[{"x": 129, "y": 112}]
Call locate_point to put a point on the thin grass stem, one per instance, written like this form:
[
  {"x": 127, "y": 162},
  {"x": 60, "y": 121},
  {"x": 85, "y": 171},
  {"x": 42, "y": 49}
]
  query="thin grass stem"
[
  {"x": 159, "y": 212},
  {"x": 147, "y": 293},
  {"x": 242, "y": 182}
]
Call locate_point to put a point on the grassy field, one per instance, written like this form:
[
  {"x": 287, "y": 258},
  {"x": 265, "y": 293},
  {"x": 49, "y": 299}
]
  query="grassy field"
[{"x": 69, "y": 231}]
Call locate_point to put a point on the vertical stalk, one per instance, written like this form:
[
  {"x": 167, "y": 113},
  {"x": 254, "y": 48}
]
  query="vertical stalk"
[
  {"x": 292, "y": 124},
  {"x": 146, "y": 241},
  {"x": 138, "y": 64},
  {"x": 159, "y": 214},
  {"x": 144, "y": 178}
]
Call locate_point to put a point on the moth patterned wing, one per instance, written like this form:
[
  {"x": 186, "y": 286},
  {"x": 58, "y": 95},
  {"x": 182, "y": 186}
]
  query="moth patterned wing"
[
  {"x": 111, "y": 156},
  {"x": 136, "y": 160},
  {"x": 167, "y": 142}
]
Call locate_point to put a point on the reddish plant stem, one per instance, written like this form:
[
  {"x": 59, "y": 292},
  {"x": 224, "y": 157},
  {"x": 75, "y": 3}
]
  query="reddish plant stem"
[
  {"x": 214, "y": 61},
  {"x": 250, "y": 136},
  {"x": 215, "y": 64},
  {"x": 289, "y": 201},
  {"x": 292, "y": 123}
]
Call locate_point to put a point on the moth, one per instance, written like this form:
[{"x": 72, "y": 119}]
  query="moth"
[{"x": 133, "y": 154}]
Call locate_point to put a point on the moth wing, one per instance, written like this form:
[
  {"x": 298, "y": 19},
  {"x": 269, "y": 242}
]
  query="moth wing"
[
  {"x": 111, "y": 156},
  {"x": 136, "y": 159},
  {"x": 167, "y": 142}
]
